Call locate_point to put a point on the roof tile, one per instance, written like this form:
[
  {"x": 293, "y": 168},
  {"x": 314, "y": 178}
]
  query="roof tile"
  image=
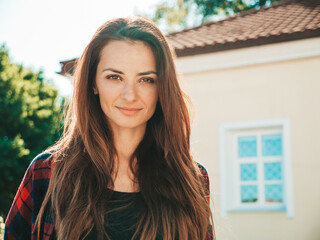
[{"x": 283, "y": 21}]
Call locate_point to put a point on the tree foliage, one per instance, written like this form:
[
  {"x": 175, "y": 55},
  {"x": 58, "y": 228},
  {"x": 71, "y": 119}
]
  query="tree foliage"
[
  {"x": 175, "y": 15},
  {"x": 172, "y": 14},
  {"x": 30, "y": 119}
]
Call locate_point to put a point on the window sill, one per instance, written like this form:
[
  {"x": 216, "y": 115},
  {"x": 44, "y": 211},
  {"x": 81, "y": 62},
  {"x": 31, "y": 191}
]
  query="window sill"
[{"x": 259, "y": 209}]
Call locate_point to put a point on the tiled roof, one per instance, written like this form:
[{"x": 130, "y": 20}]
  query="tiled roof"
[{"x": 283, "y": 21}]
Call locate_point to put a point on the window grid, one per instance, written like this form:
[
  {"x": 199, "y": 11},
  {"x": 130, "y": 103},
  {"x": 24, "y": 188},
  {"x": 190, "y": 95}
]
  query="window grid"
[{"x": 260, "y": 182}]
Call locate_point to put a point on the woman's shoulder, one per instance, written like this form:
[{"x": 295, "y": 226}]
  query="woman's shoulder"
[
  {"x": 42, "y": 161},
  {"x": 40, "y": 167},
  {"x": 205, "y": 180},
  {"x": 203, "y": 170},
  {"x": 204, "y": 173}
]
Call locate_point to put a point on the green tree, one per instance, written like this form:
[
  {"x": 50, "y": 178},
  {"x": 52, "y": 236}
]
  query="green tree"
[
  {"x": 172, "y": 15},
  {"x": 30, "y": 119},
  {"x": 175, "y": 15}
]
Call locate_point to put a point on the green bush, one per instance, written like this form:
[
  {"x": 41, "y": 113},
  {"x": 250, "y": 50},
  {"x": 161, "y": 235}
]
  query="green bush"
[{"x": 30, "y": 120}]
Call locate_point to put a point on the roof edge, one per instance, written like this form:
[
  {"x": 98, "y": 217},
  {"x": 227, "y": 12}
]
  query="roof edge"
[{"x": 248, "y": 43}]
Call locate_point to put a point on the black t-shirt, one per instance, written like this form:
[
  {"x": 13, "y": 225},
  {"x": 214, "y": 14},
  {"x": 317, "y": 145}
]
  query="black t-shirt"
[{"x": 121, "y": 223}]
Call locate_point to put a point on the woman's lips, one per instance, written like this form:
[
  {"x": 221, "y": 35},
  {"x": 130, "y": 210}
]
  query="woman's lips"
[{"x": 129, "y": 111}]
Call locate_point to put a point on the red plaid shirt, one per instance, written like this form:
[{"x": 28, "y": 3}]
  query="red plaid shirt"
[{"x": 28, "y": 200}]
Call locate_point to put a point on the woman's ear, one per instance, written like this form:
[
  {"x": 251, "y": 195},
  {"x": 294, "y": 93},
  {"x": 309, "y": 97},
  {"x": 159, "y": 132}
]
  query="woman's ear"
[{"x": 95, "y": 90}]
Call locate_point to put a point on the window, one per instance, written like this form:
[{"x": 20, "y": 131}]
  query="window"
[{"x": 255, "y": 167}]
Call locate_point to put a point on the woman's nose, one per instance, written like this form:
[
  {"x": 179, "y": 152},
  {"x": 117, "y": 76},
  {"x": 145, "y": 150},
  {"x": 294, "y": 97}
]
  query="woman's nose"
[{"x": 129, "y": 91}]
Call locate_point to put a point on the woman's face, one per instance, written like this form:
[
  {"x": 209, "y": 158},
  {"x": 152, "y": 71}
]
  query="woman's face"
[{"x": 126, "y": 82}]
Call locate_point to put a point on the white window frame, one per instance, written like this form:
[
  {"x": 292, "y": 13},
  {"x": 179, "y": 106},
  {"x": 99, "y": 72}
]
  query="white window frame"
[{"x": 230, "y": 201}]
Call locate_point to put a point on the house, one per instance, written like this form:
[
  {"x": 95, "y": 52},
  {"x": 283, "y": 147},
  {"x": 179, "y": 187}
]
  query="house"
[{"x": 254, "y": 81}]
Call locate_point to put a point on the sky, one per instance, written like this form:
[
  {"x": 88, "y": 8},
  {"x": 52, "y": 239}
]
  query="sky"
[{"x": 41, "y": 33}]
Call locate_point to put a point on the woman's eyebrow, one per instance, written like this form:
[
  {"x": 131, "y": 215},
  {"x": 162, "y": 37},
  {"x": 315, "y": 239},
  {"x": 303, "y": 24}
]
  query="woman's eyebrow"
[
  {"x": 147, "y": 73},
  {"x": 139, "y": 74},
  {"x": 112, "y": 70}
]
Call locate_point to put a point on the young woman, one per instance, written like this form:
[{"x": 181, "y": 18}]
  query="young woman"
[{"x": 122, "y": 169}]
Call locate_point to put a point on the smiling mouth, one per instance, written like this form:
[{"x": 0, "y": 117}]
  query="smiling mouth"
[{"x": 129, "y": 111}]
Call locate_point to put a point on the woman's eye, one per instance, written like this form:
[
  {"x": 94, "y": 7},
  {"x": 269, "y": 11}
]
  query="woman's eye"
[
  {"x": 113, "y": 77},
  {"x": 147, "y": 80}
]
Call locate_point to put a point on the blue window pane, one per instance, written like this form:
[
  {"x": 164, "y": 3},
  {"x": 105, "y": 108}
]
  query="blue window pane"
[
  {"x": 273, "y": 171},
  {"x": 274, "y": 193},
  {"x": 248, "y": 172},
  {"x": 272, "y": 145},
  {"x": 249, "y": 193},
  {"x": 247, "y": 146}
]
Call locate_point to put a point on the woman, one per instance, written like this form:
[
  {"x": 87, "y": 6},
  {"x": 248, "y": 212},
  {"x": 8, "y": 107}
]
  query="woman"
[{"x": 123, "y": 168}]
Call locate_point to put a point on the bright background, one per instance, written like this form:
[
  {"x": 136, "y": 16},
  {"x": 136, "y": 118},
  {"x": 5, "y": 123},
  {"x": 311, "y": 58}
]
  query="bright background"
[{"x": 39, "y": 33}]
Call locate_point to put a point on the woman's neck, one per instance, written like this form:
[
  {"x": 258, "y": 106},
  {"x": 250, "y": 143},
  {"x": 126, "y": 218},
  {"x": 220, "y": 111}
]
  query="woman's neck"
[{"x": 126, "y": 142}]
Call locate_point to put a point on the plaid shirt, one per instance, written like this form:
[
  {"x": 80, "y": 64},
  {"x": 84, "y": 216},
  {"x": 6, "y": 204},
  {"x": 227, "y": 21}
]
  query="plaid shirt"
[{"x": 28, "y": 200}]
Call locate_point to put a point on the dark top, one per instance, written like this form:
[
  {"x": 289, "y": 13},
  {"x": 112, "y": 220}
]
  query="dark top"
[{"x": 121, "y": 224}]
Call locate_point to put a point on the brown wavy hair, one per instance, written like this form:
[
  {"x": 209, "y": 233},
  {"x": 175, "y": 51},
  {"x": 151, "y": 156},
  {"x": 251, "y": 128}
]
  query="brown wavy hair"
[{"x": 169, "y": 180}]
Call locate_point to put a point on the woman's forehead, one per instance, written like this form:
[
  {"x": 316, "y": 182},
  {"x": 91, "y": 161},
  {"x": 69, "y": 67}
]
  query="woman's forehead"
[{"x": 124, "y": 54}]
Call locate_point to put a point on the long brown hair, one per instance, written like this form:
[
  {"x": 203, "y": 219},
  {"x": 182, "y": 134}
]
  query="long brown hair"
[{"x": 169, "y": 180}]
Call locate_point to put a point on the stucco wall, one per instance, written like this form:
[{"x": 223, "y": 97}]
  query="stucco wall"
[{"x": 284, "y": 88}]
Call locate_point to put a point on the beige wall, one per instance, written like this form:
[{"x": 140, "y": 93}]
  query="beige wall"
[{"x": 283, "y": 88}]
